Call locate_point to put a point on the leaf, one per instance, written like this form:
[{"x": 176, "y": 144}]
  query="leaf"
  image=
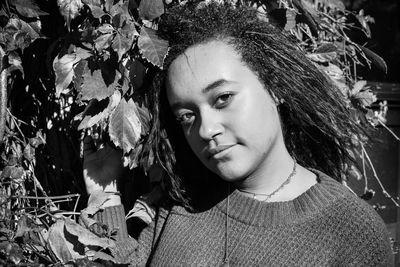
[
  {"x": 290, "y": 20},
  {"x": 97, "y": 11},
  {"x": 362, "y": 94},
  {"x": 151, "y": 9},
  {"x": 121, "y": 45},
  {"x": 58, "y": 244},
  {"x": 13, "y": 172},
  {"x": 29, "y": 152},
  {"x": 69, "y": 9},
  {"x": 103, "y": 41},
  {"x": 326, "y": 48},
  {"x": 125, "y": 127},
  {"x": 358, "y": 86},
  {"x": 332, "y": 4},
  {"x": 94, "y": 87},
  {"x": 28, "y": 8},
  {"x": 103, "y": 256},
  {"x": 83, "y": 53},
  {"x": 322, "y": 57},
  {"x": 15, "y": 62},
  {"x": 63, "y": 68},
  {"x": 376, "y": 60},
  {"x": 98, "y": 110},
  {"x": 123, "y": 41},
  {"x": 96, "y": 200},
  {"x": 106, "y": 28},
  {"x": 86, "y": 237},
  {"x": 153, "y": 48}
]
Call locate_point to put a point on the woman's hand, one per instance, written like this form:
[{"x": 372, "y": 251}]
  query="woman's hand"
[{"x": 102, "y": 169}]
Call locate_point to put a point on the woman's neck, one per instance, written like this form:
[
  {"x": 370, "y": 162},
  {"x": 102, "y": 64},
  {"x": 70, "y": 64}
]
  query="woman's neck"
[{"x": 270, "y": 174}]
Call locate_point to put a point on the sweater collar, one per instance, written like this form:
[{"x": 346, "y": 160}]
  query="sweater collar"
[{"x": 258, "y": 213}]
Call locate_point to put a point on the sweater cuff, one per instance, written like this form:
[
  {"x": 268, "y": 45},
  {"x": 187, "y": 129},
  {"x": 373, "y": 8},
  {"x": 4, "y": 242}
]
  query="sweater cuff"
[{"x": 114, "y": 218}]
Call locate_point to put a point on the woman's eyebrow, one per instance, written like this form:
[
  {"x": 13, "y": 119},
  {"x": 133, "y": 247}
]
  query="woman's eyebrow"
[{"x": 214, "y": 85}]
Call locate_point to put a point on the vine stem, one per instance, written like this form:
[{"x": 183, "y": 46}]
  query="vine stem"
[
  {"x": 377, "y": 178},
  {"x": 389, "y": 130},
  {"x": 3, "y": 95}
]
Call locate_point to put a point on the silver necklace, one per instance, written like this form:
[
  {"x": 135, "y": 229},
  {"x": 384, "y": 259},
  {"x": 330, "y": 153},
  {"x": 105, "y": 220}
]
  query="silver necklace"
[
  {"x": 268, "y": 196},
  {"x": 226, "y": 254}
]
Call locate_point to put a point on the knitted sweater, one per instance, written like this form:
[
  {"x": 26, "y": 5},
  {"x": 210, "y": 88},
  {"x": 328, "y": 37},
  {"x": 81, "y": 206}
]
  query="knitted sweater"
[{"x": 325, "y": 226}]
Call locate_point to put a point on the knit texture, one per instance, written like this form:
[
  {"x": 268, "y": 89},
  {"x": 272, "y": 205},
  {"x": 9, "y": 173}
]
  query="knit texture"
[{"x": 325, "y": 226}]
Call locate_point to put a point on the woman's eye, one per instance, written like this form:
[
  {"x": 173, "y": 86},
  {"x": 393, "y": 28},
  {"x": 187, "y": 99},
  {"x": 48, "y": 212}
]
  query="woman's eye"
[
  {"x": 223, "y": 100},
  {"x": 186, "y": 118}
]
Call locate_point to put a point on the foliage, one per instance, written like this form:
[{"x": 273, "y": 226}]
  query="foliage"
[{"x": 96, "y": 70}]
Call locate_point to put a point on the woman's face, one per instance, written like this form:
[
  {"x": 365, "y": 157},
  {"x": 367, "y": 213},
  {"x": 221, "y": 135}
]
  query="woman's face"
[{"x": 227, "y": 116}]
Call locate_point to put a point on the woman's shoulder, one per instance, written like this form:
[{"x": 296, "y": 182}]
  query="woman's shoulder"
[{"x": 353, "y": 221}]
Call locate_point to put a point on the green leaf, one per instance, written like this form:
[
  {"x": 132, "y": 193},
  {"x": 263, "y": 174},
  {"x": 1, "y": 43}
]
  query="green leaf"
[
  {"x": 86, "y": 237},
  {"x": 15, "y": 62},
  {"x": 94, "y": 87},
  {"x": 28, "y": 8},
  {"x": 376, "y": 60},
  {"x": 153, "y": 48},
  {"x": 63, "y": 68},
  {"x": 59, "y": 245},
  {"x": 322, "y": 57},
  {"x": 103, "y": 41},
  {"x": 69, "y": 9},
  {"x": 151, "y": 9},
  {"x": 106, "y": 28},
  {"x": 362, "y": 94},
  {"x": 290, "y": 20},
  {"x": 121, "y": 45},
  {"x": 125, "y": 127},
  {"x": 98, "y": 110},
  {"x": 332, "y": 4},
  {"x": 29, "y": 152}
]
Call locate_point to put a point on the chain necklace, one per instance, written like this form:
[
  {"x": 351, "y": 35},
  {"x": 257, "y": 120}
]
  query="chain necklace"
[
  {"x": 226, "y": 254},
  {"x": 268, "y": 196}
]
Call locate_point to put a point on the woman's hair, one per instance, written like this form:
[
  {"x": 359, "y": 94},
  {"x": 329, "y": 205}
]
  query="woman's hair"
[{"x": 316, "y": 123}]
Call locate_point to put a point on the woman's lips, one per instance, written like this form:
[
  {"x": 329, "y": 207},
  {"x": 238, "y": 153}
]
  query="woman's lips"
[{"x": 218, "y": 151}]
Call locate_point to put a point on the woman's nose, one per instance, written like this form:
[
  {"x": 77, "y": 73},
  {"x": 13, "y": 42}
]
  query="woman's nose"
[{"x": 210, "y": 126}]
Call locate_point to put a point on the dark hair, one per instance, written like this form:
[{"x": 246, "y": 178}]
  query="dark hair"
[{"x": 317, "y": 125}]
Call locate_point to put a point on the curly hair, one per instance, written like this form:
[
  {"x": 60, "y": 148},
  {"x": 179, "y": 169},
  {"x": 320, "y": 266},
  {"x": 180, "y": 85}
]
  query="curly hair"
[{"x": 316, "y": 123}]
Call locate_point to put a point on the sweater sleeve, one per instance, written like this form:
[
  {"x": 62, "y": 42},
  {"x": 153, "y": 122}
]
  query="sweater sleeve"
[{"x": 127, "y": 249}]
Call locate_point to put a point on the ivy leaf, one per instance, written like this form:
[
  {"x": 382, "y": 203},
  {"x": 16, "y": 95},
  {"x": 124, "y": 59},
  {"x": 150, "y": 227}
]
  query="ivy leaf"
[
  {"x": 69, "y": 9},
  {"x": 332, "y": 4},
  {"x": 86, "y": 237},
  {"x": 153, "y": 48},
  {"x": 151, "y": 9},
  {"x": 28, "y": 8},
  {"x": 362, "y": 94},
  {"x": 106, "y": 28},
  {"x": 63, "y": 68},
  {"x": 376, "y": 60},
  {"x": 103, "y": 256},
  {"x": 125, "y": 127},
  {"x": 29, "y": 152},
  {"x": 98, "y": 110},
  {"x": 121, "y": 45},
  {"x": 290, "y": 20},
  {"x": 123, "y": 40},
  {"x": 59, "y": 245},
  {"x": 322, "y": 57},
  {"x": 94, "y": 87},
  {"x": 15, "y": 62},
  {"x": 103, "y": 41}
]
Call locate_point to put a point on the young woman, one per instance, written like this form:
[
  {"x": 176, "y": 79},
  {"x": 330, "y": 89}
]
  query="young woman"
[{"x": 248, "y": 131}]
